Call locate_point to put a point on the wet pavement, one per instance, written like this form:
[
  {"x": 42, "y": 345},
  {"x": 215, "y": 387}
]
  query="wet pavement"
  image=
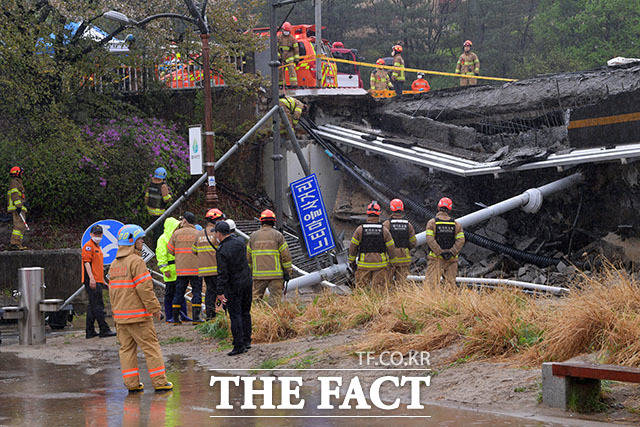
[{"x": 34, "y": 392}]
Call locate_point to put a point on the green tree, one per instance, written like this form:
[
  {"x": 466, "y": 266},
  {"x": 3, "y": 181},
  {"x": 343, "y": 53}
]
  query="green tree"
[{"x": 581, "y": 34}]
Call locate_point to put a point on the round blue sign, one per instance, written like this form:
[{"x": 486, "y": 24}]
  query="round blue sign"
[{"x": 109, "y": 243}]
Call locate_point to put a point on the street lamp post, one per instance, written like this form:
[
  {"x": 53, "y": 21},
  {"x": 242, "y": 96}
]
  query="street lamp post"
[{"x": 198, "y": 17}]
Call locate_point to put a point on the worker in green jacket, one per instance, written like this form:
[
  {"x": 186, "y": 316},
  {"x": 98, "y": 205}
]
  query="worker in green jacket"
[{"x": 167, "y": 265}]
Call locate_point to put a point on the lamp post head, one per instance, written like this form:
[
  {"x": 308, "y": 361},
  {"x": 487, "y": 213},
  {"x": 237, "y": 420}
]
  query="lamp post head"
[{"x": 119, "y": 17}]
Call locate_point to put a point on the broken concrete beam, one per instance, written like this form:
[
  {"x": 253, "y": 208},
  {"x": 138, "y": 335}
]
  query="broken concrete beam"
[{"x": 426, "y": 128}]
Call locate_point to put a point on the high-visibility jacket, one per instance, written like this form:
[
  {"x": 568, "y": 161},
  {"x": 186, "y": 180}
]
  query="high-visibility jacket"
[
  {"x": 268, "y": 254},
  {"x": 370, "y": 260},
  {"x": 398, "y": 74},
  {"x": 380, "y": 80},
  {"x": 401, "y": 256},
  {"x": 293, "y": 107},
  {"x": 288, "y": 49},
  {"x": 205, "y": 249},
  {"x": 442, "y": 218},
  {"x": 180, "y": 245},
  {"x": 157, "y": 197},
  {"x": 420, "y": 85},
  {"x": 468, "y": 64},
  {"x": 15, "y": 195},
  {"x": 166, "y": 261},
  {"x": 130, "y": 288}
]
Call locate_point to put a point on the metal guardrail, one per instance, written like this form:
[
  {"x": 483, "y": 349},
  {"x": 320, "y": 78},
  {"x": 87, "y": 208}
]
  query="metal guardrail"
[{"x": 435, "y": 160}]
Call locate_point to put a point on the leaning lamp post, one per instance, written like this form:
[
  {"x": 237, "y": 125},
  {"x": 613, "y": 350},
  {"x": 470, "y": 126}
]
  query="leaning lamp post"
[{"x": 198, "y": 18}]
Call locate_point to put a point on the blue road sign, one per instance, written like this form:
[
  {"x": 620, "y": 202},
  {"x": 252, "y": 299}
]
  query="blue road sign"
[
  {"x": 109, "y": 243},
  {"x": 314, "y": 221}
]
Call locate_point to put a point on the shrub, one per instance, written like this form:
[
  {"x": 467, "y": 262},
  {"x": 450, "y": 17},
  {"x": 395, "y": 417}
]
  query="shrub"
[{"x": 97, "y": 171}]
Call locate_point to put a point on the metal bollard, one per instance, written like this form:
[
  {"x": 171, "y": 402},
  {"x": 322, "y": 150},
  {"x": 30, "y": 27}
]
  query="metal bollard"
[{"x": 30, "y": 287}]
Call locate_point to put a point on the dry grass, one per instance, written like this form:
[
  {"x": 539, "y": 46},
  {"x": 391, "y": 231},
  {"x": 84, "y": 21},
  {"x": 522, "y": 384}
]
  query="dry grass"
[{"x": 602, "y": 316}]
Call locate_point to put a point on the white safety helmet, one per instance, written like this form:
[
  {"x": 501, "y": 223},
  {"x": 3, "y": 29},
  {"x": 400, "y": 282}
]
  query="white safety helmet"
[{"x": 232, "y": 225}]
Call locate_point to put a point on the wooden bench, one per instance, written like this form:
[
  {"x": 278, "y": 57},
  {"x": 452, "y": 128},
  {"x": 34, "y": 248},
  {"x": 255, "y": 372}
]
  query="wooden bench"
[{"x": 576, "y": 385}]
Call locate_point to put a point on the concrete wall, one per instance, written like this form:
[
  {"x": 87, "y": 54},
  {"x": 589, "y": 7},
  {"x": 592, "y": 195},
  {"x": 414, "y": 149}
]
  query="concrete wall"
[
  {"x": 62, "y": 273},
  {"x": 319, "y": 163}
]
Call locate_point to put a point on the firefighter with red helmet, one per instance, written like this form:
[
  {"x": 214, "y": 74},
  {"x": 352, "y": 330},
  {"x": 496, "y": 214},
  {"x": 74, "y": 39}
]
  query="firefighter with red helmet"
[
  {"x": 16, "y": 207},
  {"x": 205, "y": 248},
  {"x": 288, "y": 54},
  {"x": 380, "y": 78},
  {"x": 370, "y": 251},
  {"x": 398, "y": 75},
  {"x": 445, "y": 238},
  {"x": 404, "y": 239},
  {"x": 269, "y": 259},
  {"x": 468, "y": 65}
]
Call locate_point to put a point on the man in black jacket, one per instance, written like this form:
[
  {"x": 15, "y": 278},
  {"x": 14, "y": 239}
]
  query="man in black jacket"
[{"x": 234, "y": 286}]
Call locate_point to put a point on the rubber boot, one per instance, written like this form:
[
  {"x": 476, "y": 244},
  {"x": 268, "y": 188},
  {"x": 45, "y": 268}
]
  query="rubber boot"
[
  {"x": 196, "y": 314},
  {"x": 183, "y": 313},
  {"x": 168, "y": 310},
  {"x": 176, "y": 315}
]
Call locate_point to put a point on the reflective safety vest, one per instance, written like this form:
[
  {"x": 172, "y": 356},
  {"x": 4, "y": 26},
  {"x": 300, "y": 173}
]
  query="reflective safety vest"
[
  {"x": 268, "y": 254},
  {"x": 398, "y": 74},
  {"x": 445, "y": 234},
  {"x": 372, "y": 239},
  {"x": 15, "y": 195},
  {"x": 399, "y": 229},
  {"x": 293, "y": 106},
  {"x": 155, "y": 205}
]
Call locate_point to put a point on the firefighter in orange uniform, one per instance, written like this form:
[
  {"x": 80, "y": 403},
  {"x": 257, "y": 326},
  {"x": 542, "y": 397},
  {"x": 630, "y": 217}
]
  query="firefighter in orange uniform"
[
  {"x": 269, "y": 259},
  {"x": 205, "y": 248},
  {"x": 93, "y": 281},
  {"x": 404, "y": 239},
  {"x": 445, "y": 238},
  {"x": 289, "y": 54},
  {"x": 420, "y": 84},
  {"x": 134, "y": 303},
  {"x": 370, "y": 251},
  {"x": 15, "y": 206},
  {"x": 181, "y": 246}
]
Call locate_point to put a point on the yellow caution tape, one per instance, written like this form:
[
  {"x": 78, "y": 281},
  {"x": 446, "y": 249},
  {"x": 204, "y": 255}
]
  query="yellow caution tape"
[{"x": 414, "y": 70}]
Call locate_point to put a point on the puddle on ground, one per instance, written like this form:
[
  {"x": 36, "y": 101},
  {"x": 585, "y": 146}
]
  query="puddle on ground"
[{"x": 34, "y": 392}]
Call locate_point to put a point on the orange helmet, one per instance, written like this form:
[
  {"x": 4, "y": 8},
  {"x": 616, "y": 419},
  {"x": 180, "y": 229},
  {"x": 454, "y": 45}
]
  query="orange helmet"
[
  {"x": 267, "y": 215},
  {"x": 373, "y": 208},
  {"x": 380, "y": 61},
  {"x": 397, "y": 48},
  {"x": 16, "y": 171},
  {"x": 214, "y": 214},
  {"x": 445, "y": 202},
  {"x": 286, "y": 26},
  {"x": 337, "y": 45},
  {"x": 467, "y": 43},
  {"x": 396, "y": 205}
]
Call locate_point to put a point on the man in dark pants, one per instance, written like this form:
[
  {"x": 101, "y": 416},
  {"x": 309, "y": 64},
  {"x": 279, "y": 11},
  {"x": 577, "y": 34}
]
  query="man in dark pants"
[
  {"x": 93, "y": 280},
  {"x": 234, "y": 286}
]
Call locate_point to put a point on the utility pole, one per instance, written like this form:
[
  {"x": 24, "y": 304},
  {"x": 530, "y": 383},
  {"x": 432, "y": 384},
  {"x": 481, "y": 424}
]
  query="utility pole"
[
  {"x": 318, "y": 13},
  {"x": 277, "y": 156}
]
